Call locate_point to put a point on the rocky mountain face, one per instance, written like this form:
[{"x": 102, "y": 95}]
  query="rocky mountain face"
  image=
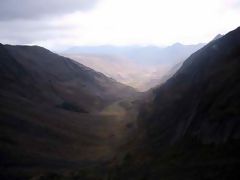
[{"x": 189, "y": 127}]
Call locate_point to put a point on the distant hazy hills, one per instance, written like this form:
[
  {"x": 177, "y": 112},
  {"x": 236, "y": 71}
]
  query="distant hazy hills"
[
  {"x": 139, "y": 66},
  {"x": 143, "y": 55}
]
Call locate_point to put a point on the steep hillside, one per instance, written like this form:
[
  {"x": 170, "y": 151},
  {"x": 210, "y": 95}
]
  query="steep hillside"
[
  {"x": 44, "y": 77},
  {"x": 203, "y": 92},
  {"x": 190, "y": 128},
  {"x": 51, "y": 114}
]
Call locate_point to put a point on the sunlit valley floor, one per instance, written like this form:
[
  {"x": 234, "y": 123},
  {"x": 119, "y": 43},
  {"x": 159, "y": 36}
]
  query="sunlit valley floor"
[{"x": 63, "y": 120}]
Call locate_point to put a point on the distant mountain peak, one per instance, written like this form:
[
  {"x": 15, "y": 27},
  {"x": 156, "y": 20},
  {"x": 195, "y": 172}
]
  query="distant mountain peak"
[
  {"x": 177, "y": 44},
  {"x": 217, "y": 36}
]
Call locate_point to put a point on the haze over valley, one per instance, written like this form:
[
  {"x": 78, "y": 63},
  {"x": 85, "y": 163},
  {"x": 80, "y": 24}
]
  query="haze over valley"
[{"x": 136, "y": 66}]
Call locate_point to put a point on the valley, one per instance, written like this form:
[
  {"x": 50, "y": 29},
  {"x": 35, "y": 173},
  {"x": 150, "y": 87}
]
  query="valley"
[
  {"x": 119, "y": 90},
  {"x": 63, "y": 120}
]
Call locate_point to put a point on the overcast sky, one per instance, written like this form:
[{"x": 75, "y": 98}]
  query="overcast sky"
[{"x": 59, "y": 24}]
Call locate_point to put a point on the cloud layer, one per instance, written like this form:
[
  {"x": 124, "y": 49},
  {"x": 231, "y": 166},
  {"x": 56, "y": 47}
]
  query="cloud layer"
[
  {"x": 59, "y": 24},
  {"x": 28, "y": 9}
]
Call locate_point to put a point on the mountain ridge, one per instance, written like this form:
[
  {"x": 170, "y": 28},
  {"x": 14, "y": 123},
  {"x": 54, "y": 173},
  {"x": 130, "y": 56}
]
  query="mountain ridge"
[
  {"x": 54, "y": 72},
  {"x": 189, "y": 126},
  {"x": 51, "y": 114}
]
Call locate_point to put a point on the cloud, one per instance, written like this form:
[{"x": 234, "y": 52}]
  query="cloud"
[
  {"x": 55, "y": 24},
  {"x": 30, "y": 9},
  {"x": 31, "y": 31}
]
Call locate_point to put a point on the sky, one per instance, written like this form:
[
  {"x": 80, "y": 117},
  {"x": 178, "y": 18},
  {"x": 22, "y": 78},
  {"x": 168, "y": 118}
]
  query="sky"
[{"x": 61, "y": 24}]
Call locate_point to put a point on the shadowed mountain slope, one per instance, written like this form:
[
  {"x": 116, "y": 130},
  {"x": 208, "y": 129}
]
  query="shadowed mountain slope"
[
  {"x": 189, "y": 128},
  {"x": 202, "y": 94},
  {"x": 44, "y": 77},
  {"x": 50, "y": 113}
]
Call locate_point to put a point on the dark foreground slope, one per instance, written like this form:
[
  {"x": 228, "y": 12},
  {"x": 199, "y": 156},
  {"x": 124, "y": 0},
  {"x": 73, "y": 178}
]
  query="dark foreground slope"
[
  {"x": 50, "y": 116},
  {"x": 191, "y": 128}
]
